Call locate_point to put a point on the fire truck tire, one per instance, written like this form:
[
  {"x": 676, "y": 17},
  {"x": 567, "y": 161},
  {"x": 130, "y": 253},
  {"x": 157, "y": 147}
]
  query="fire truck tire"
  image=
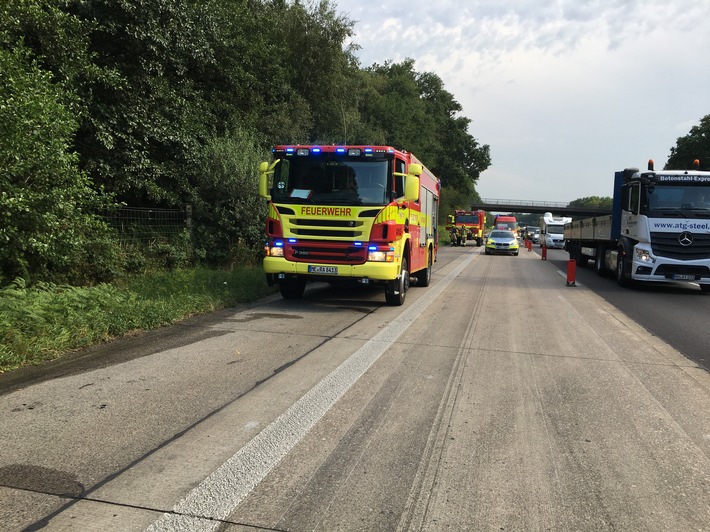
[
  {"x": 396, "y": 290},
  {"x": 424, "y": 276},
  {"x": 292, "y": 288}
]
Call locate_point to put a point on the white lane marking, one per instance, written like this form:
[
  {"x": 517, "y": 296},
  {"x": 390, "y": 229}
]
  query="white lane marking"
[{"x": 220, "y": 493}]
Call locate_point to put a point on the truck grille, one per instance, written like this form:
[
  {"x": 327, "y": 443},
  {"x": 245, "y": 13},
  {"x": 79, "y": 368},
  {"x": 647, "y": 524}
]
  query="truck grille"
[
  {"x": 668, "y": 245},
  {"x": 351, "y": 229},
  {"x": 678, "y": 269},
  {"x": 326, "y": 253}
]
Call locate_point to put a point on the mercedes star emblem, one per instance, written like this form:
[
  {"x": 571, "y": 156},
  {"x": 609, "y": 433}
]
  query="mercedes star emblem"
[{"x": 685, "y": 239}]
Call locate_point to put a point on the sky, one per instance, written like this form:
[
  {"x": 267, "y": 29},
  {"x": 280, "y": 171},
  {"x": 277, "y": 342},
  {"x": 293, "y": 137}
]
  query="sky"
[{"x": 565, "y": 92}]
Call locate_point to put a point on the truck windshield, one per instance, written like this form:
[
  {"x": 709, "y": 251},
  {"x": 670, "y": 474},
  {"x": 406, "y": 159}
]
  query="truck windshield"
[
  {"x": 686, "y": 199},
  {"x": 332, "y": 180},
  {"x": 466, "y": 219}
]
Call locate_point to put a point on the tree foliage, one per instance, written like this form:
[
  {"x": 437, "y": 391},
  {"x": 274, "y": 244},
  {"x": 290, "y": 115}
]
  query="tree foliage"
[
  {"x": 48, "y": 227},
  {"x": 695, "y": 145},
  {"x": 601, "y": 202}
]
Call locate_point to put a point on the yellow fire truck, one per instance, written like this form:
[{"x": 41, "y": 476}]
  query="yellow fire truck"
[{"x": 361, "y": 213}]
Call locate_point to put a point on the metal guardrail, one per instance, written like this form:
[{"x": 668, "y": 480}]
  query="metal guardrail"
[{"x": 527, "y": 203}]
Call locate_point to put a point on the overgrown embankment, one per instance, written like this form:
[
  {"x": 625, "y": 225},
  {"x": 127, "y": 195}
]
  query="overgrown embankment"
[{"x": 42, "y": 322}]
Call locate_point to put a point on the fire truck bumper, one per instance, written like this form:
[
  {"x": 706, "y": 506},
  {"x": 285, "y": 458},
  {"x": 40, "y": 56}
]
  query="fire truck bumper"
[{"x": 375, "y": 271}]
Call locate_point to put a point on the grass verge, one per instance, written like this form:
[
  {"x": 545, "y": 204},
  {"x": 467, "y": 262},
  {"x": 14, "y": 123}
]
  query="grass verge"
[{"x": 43, "y": 322}]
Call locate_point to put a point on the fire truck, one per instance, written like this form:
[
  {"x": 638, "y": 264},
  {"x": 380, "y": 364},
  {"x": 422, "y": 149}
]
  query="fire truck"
[
  {"x": 365, "y": 214},
  {"x": 473, "y": 222},
  {"x": 507, "y": 222}
]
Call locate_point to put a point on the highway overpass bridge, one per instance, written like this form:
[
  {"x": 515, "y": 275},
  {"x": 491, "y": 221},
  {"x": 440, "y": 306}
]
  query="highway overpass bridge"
[{"x": 526, "y": 206}]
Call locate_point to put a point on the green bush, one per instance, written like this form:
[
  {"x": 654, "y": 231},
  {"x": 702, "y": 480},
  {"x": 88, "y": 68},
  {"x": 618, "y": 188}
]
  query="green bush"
[{"x": 47, "y": 229}]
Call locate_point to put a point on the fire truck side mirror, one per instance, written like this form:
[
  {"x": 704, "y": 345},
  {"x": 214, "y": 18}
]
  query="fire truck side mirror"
[
  {"x": 411, "y": 183},
  {"x": 264, "y": 180},
  {"x": 411, "y": 188}
]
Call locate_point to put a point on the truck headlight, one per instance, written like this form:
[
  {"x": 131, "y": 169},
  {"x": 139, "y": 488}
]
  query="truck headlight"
[
  {"x": 644, "y": 255},
  {"x": 380, "y": 256},
  {"x": 274, "y": 250}
]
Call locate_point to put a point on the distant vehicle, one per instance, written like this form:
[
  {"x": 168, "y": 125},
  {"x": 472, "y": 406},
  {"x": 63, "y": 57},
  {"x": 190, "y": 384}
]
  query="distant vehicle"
[
  {"x": 502, "y": 241},
  {"x": 552, "y": 230},
  {"x": 506, "y": 222},
  {"x": 473, "y": 221},
  {"x": 532, "y": 233},
  {"x": 659, "y": 229}
]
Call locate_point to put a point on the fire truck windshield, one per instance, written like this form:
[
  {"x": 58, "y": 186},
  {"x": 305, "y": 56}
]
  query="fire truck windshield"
[
  {"x": 466, "y": 219},
  {"x": 332, "y": 180}
]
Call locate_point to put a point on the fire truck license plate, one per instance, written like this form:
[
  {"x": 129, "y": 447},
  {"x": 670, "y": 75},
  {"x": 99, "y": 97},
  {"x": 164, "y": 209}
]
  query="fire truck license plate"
[{"x": 328, "y": 270}]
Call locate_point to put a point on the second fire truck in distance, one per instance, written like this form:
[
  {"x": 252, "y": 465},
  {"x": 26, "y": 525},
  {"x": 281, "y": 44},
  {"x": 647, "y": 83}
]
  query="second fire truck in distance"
[
  {"x": 361, "y": 213},
  {"x": 473, "y": 222}
]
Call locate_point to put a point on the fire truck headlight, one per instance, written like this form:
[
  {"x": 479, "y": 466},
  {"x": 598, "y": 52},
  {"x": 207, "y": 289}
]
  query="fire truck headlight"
[
  {"x": 380, "y": 256},
  {"x": 644, "y": 255},
  {"x": 275, "y": 250}
]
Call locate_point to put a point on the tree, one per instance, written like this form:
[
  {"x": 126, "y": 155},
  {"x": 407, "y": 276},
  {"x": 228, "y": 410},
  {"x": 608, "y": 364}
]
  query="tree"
[
  {"x": 48, "y": 229},
  {"x": 229, "y": 216},
  {"x": 416, "y": 113},
  {"x": 601, "y": 202},
  {"x": 695, "y": 145}
]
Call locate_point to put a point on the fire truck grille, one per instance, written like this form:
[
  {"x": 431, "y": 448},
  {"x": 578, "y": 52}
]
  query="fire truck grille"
[
  {"x": 351, "y": 229},
  {"x": 669, "y": 245},
  {"x": 329, "y": 254}
]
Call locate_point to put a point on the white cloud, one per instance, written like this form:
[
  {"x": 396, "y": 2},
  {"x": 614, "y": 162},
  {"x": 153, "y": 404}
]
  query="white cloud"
[{"x": 565, "y": 92}]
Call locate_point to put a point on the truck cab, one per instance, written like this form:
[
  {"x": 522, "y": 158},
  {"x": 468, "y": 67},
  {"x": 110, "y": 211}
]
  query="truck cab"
[
  {"x": 664, "y": 228},
  {"x": 658, "y": 231}
]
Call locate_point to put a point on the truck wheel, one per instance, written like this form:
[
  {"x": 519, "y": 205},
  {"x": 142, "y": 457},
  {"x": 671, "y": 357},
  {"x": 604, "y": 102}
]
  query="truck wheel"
[
  {"x": 424, "y": 276},
  {"x": 621, "y": 278},
  {"x": 599, "y": 261},
  {"x": 292, "y": 288},
  {"x": 397, "y": 289}
]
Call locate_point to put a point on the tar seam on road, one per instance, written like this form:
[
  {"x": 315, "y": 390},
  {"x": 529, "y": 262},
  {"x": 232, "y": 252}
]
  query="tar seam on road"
[{"x": 219, "y": 494}]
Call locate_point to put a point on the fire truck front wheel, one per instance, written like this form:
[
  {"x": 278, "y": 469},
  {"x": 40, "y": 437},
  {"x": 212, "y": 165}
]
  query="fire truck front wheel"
[
  {"x": 292, "y": 288},
  {"x": 424, "y": 276},
  {"x": 397, "y": 289}
]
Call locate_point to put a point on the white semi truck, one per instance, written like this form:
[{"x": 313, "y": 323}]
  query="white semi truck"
[
  {"x": 659, "y": 229},
  {"x": 552, "y": 230}
]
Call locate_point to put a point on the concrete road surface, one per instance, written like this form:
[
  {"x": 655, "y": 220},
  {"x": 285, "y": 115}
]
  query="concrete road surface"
[{"x": 498, "y": 398}]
